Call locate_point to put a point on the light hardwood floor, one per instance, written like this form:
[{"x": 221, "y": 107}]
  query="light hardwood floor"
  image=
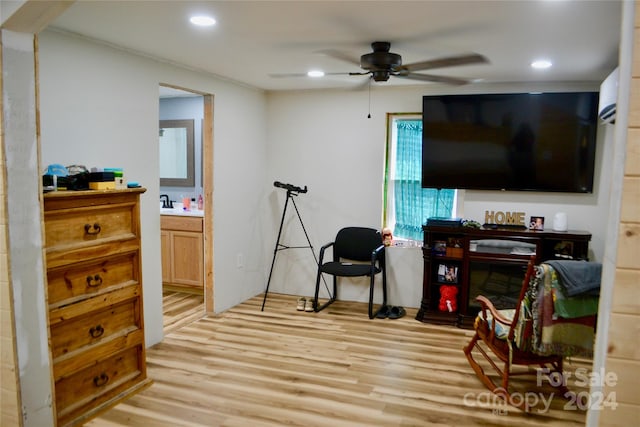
[
  {"x": 179, "y": 309},
  {"x": 280, "y": 367}
]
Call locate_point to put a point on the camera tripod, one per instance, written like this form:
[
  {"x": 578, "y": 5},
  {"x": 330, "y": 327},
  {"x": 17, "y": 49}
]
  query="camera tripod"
[{"x": 292, "y": 191}]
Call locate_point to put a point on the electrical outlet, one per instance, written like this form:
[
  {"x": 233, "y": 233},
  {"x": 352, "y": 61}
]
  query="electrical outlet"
[{"x": 240, "y": 261}]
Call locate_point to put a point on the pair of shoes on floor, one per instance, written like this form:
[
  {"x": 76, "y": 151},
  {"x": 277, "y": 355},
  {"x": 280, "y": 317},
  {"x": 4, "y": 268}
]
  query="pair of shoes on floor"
[
  {"x": 391, "y": 312},
  {"x": 304, "y": 304}
]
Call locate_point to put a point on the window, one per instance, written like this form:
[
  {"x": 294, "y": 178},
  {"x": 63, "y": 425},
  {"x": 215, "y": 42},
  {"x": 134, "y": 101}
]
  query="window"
[{"x": 407, "y": 204}]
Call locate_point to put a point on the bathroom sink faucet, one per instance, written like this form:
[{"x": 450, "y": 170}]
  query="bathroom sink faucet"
[{"x": 166, "y": 203}]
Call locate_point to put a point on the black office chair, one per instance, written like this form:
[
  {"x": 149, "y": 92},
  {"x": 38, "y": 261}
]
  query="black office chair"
[{"x": 357, "y": 251}]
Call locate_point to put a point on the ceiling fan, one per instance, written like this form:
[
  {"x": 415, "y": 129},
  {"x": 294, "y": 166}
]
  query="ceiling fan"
[{"x": 382, "y": 64}]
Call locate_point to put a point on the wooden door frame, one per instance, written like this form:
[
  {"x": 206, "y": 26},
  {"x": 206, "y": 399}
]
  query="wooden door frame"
[
  {"x": 207, "y": 189},
  {"x": 207, "y": 184}
]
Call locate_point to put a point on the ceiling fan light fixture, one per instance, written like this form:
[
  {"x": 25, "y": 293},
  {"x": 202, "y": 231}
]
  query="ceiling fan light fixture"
[
  {"x": 202, "y": 21},
  {"x": 315, "y": 73},
  {"x": 541, "y": 64},
  {"x": 380, "y": 75}
]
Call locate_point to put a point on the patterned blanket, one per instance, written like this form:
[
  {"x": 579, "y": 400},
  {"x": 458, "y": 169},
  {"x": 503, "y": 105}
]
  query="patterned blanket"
[{"x": 551, "y": 333}]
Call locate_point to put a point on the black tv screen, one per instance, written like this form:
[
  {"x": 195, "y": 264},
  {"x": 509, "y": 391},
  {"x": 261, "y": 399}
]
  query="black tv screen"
[{"x": 515, "y": 141}]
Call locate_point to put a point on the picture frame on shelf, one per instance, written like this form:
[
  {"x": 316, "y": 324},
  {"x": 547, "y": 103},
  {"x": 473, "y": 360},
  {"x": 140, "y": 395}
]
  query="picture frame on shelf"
[
  {"x": 448, "y": 273},
  {"x": 440, "y": 247},
  {"x": 536, "y": 223}
]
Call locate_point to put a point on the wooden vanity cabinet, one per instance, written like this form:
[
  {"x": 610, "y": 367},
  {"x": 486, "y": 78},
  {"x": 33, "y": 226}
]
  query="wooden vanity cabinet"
[
  {"x": 94, "y": 295},
  {"x": 182, "y": 252}
]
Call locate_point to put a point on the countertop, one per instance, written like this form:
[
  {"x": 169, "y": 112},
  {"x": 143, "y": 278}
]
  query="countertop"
[{"x": 181, "y": 212}]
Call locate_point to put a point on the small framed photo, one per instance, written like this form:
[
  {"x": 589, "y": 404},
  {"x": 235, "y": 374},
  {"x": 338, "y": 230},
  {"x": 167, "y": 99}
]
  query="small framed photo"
[
  {"x": 447, "y": 273},
  {"x": 536, "y": 223},
  {"x": 440, "y": 247}
]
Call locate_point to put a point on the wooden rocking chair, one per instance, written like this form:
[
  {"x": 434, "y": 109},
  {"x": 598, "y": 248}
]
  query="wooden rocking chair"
[{"x": 496, "y": 329}]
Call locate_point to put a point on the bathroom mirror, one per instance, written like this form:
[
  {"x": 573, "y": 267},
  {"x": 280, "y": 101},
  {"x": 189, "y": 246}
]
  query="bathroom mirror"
[{"x": 176, "y": 153}]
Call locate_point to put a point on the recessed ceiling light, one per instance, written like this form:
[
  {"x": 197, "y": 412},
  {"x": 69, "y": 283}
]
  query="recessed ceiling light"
[
  {"x": 315, "y": 73},
  {"x": 202, "y": 20},
  {"x": 541, "y": 64}
]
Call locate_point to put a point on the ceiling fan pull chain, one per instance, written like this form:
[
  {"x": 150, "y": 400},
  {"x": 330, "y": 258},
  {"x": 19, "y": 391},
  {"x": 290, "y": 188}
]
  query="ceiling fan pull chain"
[{"x": 369, "y": 115}]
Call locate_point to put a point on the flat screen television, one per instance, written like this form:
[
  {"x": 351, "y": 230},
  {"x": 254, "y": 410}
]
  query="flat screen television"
[{"x": 510, "y": 141}]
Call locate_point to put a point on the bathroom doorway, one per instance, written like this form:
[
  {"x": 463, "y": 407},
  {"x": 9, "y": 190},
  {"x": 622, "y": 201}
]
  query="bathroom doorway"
[{"x": 180, "y": 309}]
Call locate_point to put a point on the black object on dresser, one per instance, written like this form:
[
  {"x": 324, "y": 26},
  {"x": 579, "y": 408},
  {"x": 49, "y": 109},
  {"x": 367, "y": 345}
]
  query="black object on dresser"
[{"x": 463, "y": 262}]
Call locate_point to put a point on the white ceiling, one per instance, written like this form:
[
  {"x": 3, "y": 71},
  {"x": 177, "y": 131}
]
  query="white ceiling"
[{"x": 253, "y": 39}]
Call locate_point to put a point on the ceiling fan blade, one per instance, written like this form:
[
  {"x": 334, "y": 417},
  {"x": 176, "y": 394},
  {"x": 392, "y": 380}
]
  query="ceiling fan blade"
[
  {"x": 432, "y": 78},
  {"x": 288, "y": 75},
  {"x": 341, "y": 56},
  {"x": 451, "y": 61}
]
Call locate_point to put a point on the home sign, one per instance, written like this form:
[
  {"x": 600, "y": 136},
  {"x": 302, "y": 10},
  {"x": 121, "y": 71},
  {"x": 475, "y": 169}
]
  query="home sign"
[{"x": 499, "y": 217}]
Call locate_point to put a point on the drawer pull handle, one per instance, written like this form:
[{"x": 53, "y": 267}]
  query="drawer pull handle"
[
  {"x": 92, "y": 229},
  {"x": 96, "y": 331},
  {"x": 94, "y": 281},
  {"x": 101, "y": 380}
]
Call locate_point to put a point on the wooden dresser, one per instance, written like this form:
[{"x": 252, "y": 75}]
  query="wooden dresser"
[{"x": 92, "y": 241}]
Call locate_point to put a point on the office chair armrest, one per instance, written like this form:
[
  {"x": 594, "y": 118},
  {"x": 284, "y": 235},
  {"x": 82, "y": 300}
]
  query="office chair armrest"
[
  {"x": 376, "y": 253},
  {"x": 322, "y": 249}
]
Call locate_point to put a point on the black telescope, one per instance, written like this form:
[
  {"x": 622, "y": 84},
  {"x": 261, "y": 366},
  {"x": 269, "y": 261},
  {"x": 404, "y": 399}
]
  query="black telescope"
[
  {"x": 290, "y": 187},
  {"x": 292, "y": 191}
]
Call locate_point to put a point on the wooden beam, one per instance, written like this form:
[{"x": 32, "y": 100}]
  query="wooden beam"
[
  {"x": 35, "y": 15},
  {"x": 207, "y": 180}
]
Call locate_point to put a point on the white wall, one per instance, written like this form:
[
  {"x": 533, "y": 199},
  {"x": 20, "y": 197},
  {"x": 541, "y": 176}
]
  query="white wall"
[
  {"x": 99, "y": 107},
  {"x": 324, "y": 140}
]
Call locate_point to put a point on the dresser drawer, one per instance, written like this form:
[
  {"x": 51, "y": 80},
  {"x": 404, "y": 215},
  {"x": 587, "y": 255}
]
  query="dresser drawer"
[
  {"x": 94, "y": 327},
  {"x": 93, "y": 304},
  {"x": 83, "y": 226},
  {"x": 71, "y": 283},
  {"x": 99, "y": 382}
]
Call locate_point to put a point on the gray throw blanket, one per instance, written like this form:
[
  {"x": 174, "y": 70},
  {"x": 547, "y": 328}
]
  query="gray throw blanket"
[{"x": 578, "y": 277}]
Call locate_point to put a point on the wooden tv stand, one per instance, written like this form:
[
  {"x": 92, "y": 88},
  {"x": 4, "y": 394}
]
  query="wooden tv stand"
[{"x": 483, "y": 261}]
